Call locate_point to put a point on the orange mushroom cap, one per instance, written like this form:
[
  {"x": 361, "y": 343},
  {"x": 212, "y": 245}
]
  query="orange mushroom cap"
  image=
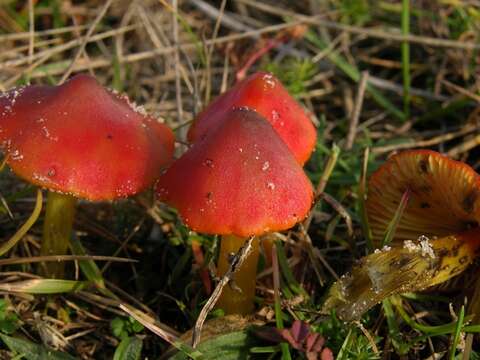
[
  {"x": 444, "y": 196},
  {"x": 81, "y": 139},
  {"x": 240, "y": 179},
  {"x": 265, "y": 94}
]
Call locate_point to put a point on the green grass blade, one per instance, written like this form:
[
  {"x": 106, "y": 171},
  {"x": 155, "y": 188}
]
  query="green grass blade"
[
  {"x": 354, "y": 74},
  {"x": 25, "y": 227},
  {"x": 229, "y": 346},
  {"x": 88, "y": 267},
  {"x": 31, "y": 351},
  {"x": 392, "y": 226},
  {"x": 292, "y": 283},
  {"x": 277, "y": 306},
  {"x": 456, "y": 335},
  {"x": 439, "y": 112},
  {"x": 362, "y": 196},
  {"x": 429, "y": 330},
  {"x": 343, "y": 353},
  {"x": 393, "y": 329},
  {"x": 406, "y": 57},
  {"x": 130, "y": 348},
  {"x": 43, "y": 286}
]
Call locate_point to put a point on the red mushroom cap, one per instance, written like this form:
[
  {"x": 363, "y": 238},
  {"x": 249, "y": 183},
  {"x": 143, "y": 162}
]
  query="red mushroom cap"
[
  {"x": 265, "y": 94},
  {"x": 240, "y": 179},
  {"x": 81, "y": 139}
]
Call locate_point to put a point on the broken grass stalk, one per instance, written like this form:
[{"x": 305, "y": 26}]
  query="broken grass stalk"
[
  {"x": 440, "y": 189},
  {"x": 396, "y": 270}
]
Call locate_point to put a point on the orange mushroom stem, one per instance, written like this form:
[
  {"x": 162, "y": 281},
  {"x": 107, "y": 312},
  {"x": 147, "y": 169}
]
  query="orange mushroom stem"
[
  {"x": 57, "y": 229},
  {"x": 436, "y": 238},
  {"x": 232, "y": 300}
]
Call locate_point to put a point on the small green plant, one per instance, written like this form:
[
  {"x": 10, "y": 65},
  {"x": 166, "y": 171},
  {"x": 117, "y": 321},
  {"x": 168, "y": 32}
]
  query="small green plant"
[
  {"x": 130, "y": 346},
  {"x": 9, "y": 321},
  {"x": 463, "y": 19},
  {"x": 347, "y": 340},
  {"x": 355, "y": 12},
  {"x": 293, "y": 73},
  {"x": 124, "y": 327}
]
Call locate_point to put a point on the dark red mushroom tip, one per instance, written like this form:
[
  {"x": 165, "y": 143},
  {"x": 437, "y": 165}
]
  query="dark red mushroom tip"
[
  {"x": 265, "y": 94},
  {"x": 240, "y": 179},
  {"x": 81, "y": 139}
]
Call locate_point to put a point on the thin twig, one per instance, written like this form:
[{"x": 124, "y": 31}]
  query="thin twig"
[
  {"x": 340, "y": 210},
  {"x": 209, "y": 51},
  {"x": 462, "y": 91},
  {"x": 56, "y": 258},
  {"x": 370, "y": 32},
  {"x": 357, "y": 109},
  {"x": 406, "y": 57},
  {"x": 236, "y": 263},
  {"x": 322, "y": 183},
  {"x": 90, "y": 31},
  {"x": 124, "y": 244},
  {"x": 178, "y": 85},
  {"x": 167, "y": 50},
  {"x": 64, "y": 47},
  {"x": 392, "y": 86},
  {"x": 49, "y": 53},
  {"x": 31, "y": 30},
  {"x": 149, "y": 323},
  {"x": 325, "y": 263},
  {"x": 311, "y": 255},
  {"x": 48, "y": 32},
  {"x": 225, "y": 19},
  {"x": 369, "y": 337},
  {"x": 464, "y": 147},
  {"x": 426, "y": 143}
]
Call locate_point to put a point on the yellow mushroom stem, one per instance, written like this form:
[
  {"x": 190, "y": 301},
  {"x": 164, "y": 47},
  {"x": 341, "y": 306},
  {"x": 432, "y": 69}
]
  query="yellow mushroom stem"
[
  {"x": 411, "y": 266},
  {"x": 57, "y": 230},
  {"x": 267, "y": 247},
  {"x": 233, "y": 301}
]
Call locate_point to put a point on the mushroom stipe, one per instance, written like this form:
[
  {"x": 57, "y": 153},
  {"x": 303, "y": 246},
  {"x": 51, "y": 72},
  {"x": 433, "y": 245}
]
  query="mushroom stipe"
[{"x": 58, "y": 224}]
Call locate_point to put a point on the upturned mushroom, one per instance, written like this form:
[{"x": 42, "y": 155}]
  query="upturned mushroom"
[
  {"x": 79, "y": 140},
  {"x": 265, "y": 94},
  {"x": 436, "y": 238},
  {"x": 246, "y": 183}
]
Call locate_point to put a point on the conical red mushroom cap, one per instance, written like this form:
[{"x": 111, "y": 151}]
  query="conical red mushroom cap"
[
  {"x": 444, "y": 196},
  {"x": 240, "y": 179},
  {"x": 81, "y": 139},
  {"x": 266, "y": 95}
]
